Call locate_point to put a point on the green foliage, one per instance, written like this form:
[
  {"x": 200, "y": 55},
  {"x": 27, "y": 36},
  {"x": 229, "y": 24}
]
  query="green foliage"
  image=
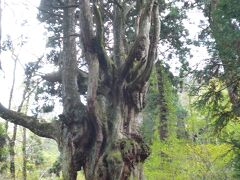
[
  {"x": 34, "y": 152},
  {"x": 3, "y": 149},
  {"x": 213, "y": 99},
  {"x": 174, "y": 35},
  {"x": 199, "y": 154},
  {"x": 56, "y": 167},
  {"x": 151, "y": 110},
  {"x": 230, "y": 135},
  {"x": 180, "y": 159},
  {"x": 218, "y": 82},
  {"x": 226, "y": 29}
]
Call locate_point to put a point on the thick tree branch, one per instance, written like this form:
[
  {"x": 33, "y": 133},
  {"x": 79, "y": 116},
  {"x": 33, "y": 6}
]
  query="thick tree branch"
[
  {"x": 140, "y": 48},
  {"x": 56, "y": 76},
  {"x": 118, "y": 34},
  {"x": 86, "y": 25},
  {"x": 53, "y": 77},
  {"x": 82, "y": 78},
  {"x": 88, "y": 38},
  {"x": 144, "y": 72},
  {"x": 82, "y": 81},
  {"x": 104, "y": 60},
  {"x": 43, "y": 129},
  {"x": 93, "y": 59},
  {"x": 139, "y": 9}
]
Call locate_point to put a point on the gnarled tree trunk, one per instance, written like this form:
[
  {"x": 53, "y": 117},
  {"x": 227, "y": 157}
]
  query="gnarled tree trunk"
[{"x": 101, "y": 137}]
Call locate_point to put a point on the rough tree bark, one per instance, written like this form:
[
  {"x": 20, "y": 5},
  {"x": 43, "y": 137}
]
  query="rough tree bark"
[
  {"x": 163, "y": 124},
  {"x": 101, "y": 137}
]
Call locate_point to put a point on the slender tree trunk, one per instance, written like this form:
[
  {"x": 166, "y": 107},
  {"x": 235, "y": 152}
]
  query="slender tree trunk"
[
  {"x": 12, "y": 140},
  {"x": 24, "y": 133},
  {"x": 12, "y": 152},
  {"x": 24, "y": 154}
]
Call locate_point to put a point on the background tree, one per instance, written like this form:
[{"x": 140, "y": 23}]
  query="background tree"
[
  {"x": 174, "y": 48},
  {"x": 221, "y": 35},
  {"x": 8, "y": 45},
  {"x": 176, "y": 150},
  {"x": 14, "y": 48}
]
